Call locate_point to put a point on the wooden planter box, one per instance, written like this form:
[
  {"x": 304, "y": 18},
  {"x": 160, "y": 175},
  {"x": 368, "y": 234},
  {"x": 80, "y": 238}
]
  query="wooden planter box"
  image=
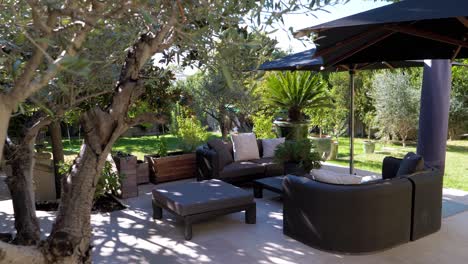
[
  {"x": 127, "y": 167},
  {"x": 174, "y": 167},
  {"x": 142, "y": 172}
]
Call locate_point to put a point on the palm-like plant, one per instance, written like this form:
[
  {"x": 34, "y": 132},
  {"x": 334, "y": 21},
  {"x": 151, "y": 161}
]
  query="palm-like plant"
[{"x": 295, "y": 91}]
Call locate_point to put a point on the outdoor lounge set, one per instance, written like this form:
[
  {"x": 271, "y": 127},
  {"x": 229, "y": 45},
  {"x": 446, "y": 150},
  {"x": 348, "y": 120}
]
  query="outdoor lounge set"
[
  {"x": 354, "y": 218},
  {"x": 365, "y": 217}
]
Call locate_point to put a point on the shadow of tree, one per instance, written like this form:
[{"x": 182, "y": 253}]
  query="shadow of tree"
[{"x": 132, "y": 236}]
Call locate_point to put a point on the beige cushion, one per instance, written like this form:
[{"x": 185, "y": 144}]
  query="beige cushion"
[
  {"x": 245, "y": 146},
  {"x": 334, "y": 177},
  {"x": 370, "y": 178},
  {"x": 329, "y": 176},
  {"x": 269, "y": 146}
]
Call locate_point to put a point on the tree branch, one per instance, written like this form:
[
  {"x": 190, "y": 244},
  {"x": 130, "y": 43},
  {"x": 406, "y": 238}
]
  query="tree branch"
[
  {"x": 21, "y": 88},
  {"x": 32, "y": 132},
  {"x": 85, "y": 98},
  {"x": 147, "y": 118},
  {"x": 25, "y": 85},
  {"x": 36, "y": 16}
]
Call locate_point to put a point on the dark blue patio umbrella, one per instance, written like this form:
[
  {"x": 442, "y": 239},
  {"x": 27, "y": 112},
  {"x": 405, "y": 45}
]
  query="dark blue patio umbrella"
[
  {"x": 307, "y": 61},
  {"x": 387, "y": 37},
  {"x": 407, "y": 30}
]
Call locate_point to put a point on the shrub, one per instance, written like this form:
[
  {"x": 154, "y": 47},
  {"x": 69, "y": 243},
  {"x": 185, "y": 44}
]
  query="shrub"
[
  {"x": 263, "y": 125},
  {"x": 192, "y": 133},
  {"x": 299, "y": 152},
  {"x": 109, "y": 182},
  {"x": 161, "y": 147}
]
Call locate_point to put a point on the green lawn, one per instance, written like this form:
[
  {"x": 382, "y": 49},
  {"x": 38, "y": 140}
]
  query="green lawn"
[
  {"x": 456, "y": 167},
  {"x": 456, "y": 172},
  {"x": 138, "y": 146}
]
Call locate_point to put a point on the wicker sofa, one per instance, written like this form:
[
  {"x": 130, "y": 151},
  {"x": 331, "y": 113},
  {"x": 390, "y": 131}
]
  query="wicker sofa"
[
  {"x": 364, "y": 217},
  {"x": 210, "y": 165}
]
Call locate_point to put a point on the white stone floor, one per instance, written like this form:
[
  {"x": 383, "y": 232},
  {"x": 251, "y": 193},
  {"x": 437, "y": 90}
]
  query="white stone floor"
[{"x": 132, "y": 236}]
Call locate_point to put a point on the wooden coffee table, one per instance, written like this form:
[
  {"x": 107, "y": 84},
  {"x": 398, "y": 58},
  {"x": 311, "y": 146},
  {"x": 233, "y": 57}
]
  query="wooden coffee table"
[{"x": 274, "y": 184}]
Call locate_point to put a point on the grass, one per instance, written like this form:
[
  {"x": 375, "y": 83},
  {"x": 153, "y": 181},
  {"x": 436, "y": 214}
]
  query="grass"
[
  {"x": 138, "y": 146},
  {"x": 456, "y": 168},
  {"x": 456, "y": 164}
]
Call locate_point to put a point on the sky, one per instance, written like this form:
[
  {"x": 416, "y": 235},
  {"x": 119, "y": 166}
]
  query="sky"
[{"x": 299, "y": 21}]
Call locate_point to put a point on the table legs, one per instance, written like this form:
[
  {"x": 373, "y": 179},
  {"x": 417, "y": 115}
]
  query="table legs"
[
  {"x": 157, "y": 211},
  {"x": 258, "y": 191},
  {"x": 251, "y": 214},
  {"x": 187, "y": 230}
]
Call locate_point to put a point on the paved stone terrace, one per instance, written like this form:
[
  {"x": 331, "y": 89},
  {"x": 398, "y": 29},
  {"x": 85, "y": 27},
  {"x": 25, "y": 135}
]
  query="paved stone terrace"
[{"x": 132, "y": 236}]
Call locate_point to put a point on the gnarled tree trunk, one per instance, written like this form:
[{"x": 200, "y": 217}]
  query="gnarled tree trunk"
[
  {"x": 222, "y": 122},
  {"x": 20, "y": 162},
  {"x": 294, "y": 114},
  {"x": 5, "y": 113},
  {"x": 71, "y": 232},
  {"x": 57, "y": 152}
]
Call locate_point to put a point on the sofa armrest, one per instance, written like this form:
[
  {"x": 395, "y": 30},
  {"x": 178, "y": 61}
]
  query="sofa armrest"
[
  {"x": 427, "y": 202},
  {"x": 347, "y": 218},
  {"x": 390, "y": 167},
  {"x": 207, "y": 163}
]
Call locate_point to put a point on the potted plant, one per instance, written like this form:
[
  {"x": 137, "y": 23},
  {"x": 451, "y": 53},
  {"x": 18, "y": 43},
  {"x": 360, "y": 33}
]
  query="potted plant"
[
  {"x": 369, "y": 145},
  {"x": 295, "y": 91},
  {"x": 181, "y": 164},
  {"x": 297, "y": 157},
  {"x": 333, "y": 122},
  {"x": 323, "y": 146}
]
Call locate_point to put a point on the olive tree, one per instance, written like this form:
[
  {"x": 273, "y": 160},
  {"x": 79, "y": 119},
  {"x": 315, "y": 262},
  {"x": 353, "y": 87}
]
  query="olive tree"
[
  {"x": 397, "y": 98},
  {"x": 168, "y": 27},
  {"x": 458, "y": 115}
]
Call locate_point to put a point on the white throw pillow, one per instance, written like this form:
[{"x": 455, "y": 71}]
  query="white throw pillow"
[
  {"x": 269, "y": 146},
  {"x": 334, "y": 177},
  {"x": 245, "y": 146}
]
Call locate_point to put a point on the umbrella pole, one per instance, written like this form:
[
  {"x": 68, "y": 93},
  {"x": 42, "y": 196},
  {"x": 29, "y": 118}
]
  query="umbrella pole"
[{"x": 351, "y": 121}]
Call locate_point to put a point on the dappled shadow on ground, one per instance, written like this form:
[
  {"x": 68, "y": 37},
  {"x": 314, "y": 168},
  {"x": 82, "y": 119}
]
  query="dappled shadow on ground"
[
  {"x": 7, "y": 221},
  {"x": 132, "y": 236}
]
